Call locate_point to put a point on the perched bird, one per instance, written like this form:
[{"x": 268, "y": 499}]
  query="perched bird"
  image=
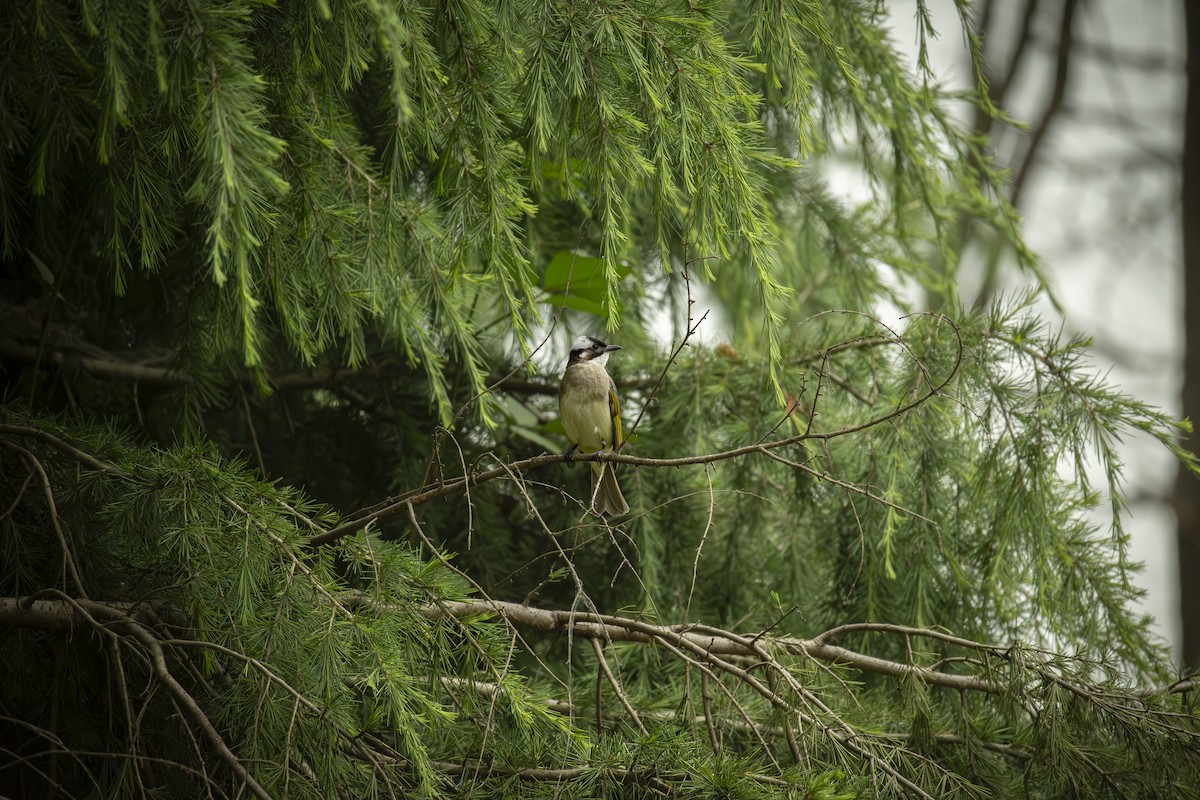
[{"x": 591, "y": 415}]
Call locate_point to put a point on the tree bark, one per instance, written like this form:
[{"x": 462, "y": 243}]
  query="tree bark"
[{"x": 1187, "y": 486}]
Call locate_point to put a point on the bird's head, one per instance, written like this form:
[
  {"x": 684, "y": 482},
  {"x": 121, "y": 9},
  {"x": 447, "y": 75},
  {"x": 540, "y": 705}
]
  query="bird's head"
[{"x": 590, "y": 349}]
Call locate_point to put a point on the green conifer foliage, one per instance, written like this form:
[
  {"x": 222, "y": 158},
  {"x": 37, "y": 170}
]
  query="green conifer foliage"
[{"x": 284, "y": 510}]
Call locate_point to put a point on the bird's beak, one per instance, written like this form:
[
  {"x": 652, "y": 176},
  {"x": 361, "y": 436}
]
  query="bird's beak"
[{"x": 610, "y": 348}]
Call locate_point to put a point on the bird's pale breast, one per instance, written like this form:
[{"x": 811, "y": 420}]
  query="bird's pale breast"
[{"x": 583, "y": 405}]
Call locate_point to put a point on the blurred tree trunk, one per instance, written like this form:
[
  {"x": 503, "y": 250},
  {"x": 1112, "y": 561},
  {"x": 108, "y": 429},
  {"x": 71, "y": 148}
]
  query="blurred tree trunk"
[{"x": 1187, "y": 488}]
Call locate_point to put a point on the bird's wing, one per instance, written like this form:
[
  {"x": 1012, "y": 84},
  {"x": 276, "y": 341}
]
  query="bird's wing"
[{"x": 614, "y": 410}]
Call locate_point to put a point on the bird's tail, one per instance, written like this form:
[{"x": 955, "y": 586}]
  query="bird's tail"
[{"x": 608, "y": 497}]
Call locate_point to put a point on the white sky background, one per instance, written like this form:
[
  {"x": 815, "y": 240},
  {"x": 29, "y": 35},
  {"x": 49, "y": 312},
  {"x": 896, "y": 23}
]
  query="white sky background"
[{"x": 1101, "y": 209}]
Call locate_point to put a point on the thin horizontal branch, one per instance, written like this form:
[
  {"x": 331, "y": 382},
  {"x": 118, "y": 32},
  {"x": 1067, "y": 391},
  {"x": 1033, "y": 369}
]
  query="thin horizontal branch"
[
  {"x": 1109, "y": 56},
  {"x": 606, "y": 628},
  {"x": 66, "y": 358},
  {"x": 125, "y": 367},
  {"x": 57, "y": 614},
  {"x": 458, "y": 485}
]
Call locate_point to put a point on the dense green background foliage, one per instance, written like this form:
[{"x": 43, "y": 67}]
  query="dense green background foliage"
[{"x": 278, "y": 276}]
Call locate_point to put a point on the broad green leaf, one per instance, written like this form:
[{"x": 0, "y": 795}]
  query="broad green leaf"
[{"x": 537, "y": 438}]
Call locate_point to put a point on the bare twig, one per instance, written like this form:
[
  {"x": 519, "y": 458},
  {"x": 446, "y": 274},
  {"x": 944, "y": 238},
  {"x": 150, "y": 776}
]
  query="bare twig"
[
  {"x": 851, "y": 487},
  {"x": 1065, "y": 50},
  {"x": 35, "y": 466},
  {"x": 688, "y": 333},
  {"x": 178, "y": 693},
  {"x": 616, "y": 687},
  {"x": 706, "y": 699},
  {"x": 615, "y": 628},
  {"x": 262, "y": 464},
  {"x": 19, "y": 496},
  {"x": 66, "y": 447},
  {"x": 703, "y": 538}
]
